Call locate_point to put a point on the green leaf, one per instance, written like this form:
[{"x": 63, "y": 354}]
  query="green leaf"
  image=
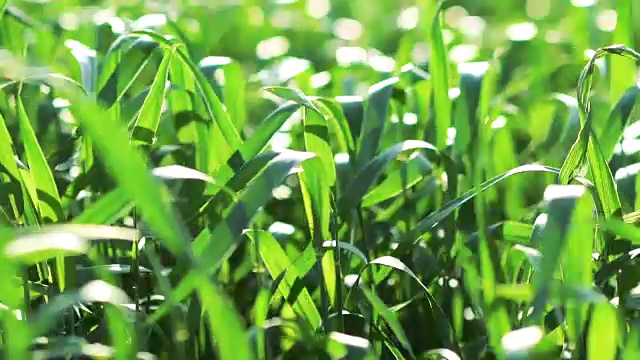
[
  {"x": 316, "y": 194},
  {"x": 129, "y": 169},
  {"x": 213, "y": 105},
  {"x": 146, "y": 123},
  {"x": 234, "y": 90},
  {"x": 338, "y": 123},
  {"x": 35, "y": 248},
  {"x": 622, "y": 229},
  {"x": 444, "y": 330},
  {"x": 253, "y": 146},
  {"x": 618, "y": 121},
  {"x": 107, "y": 209},
  {"x": 440, "y": 78},
  {"x": 577, "y": 259},
  {"x": 604, "y": 320},
  {"x": 122, "y": 64},
  {"x": 359, "y": 186},
  {"x": 186, "y": 105},
  {"x": 86, "y": 58},
  {"x": 622, "y": 72},
  {"x": 292, "y": 94},
  {"x": 261, "y": 311},
  {"x": 411, "y": 172},
  {"x": 440, "y": 354},
  {"x": 390, "y": 318},
  {"x": 375, "y": 118},
  {"x": 346, "y": 246},
  {"x": 354, "y": 347},
  {"x": 563, "y": 202},
  {"x": 48, "y": 197},
  {"x": 227, "y": 330},
  {"x": 587, "y": 145},
  {"x": 10, "y": 177},
  {"x": 3, "y": 7},
  {"x": 448, "y": 208},
  {"x": 318, "y": 175},
  {"x": 94, "y": 291},
  {"x": 316, "y": 139},
  {"x": 215, "y": 245},
  {"x": 277, "y": 262}
]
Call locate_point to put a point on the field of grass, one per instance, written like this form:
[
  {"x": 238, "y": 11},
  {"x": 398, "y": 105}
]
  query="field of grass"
[{"x": 316, "y": 179}]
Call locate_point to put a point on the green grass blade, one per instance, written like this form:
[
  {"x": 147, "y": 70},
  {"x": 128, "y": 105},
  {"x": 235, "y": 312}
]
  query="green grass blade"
[
  {"x": 94, "y": 291},
  {"x": 261, "y": 311},
  {"x": 214, "y": 106},
  {"x": 10, "y": 176},
  {"x": 187, "y": 105},
  {"x": 316, "y": 139},
  {"x": 359, "y": 186},
  {"x": 3, "y": 7},
  {"x": 618, "y": 120},
  {"x": 316, "y": 193},
  {"x": 604, "y": 320},
  {"x": 390, "y": 318},
  {"x": 292, "y": 94},
  {"x": 215, "y": 245},
  {"x": 234, "y": 91},
  {"x": 277, "y": 262},
  {"x": 603, "y": 181},
  {"x": 338, "y": 122},
  {"x": 346, "y": 247},
  {"x": 17, "y": 341},
  {"x": 45, "y": 77},
  {"x": 562, "y": 202},
  {"x": 444, "y": 329},
  {"x": 587, "y": 146},
  {"x": 318, "y": 174},
  {"x": 48, "y": 197},
  {"x": 439, "y": 71},
  {"x": 130, "y": 170},
  {"x": 622, "y": 72},
  {"x": 35, "y": 248},
  {"x": 225, "y": 322},
  {"x": 253, "y": 146},
  {"x": 448, "y": 208},
  {"x": 375, "y": 118},
  {"x": 577, "y": 262},
  {"x": 106, "y": 210},
  {"x": 121, "y": 67},
  {"x": 86, "y": 58},
  {"x": 410, "y": 173},
  {"x": 146, "y": 125},
  {"x": 30, "y": 198}
]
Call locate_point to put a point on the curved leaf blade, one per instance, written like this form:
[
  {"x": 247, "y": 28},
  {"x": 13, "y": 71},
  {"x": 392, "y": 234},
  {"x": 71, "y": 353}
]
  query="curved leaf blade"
[
  {"x": 359, "y": 186},
  {"x": 48, "y": 197},
  {"x": 146, "y": 124}
]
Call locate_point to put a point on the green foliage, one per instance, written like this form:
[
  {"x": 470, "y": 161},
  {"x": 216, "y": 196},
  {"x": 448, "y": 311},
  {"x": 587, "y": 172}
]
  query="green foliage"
[{"x": 319, "y": 179}]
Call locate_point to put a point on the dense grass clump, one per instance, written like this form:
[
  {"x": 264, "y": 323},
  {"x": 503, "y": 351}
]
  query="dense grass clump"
[{"x": 348, "y": 179}]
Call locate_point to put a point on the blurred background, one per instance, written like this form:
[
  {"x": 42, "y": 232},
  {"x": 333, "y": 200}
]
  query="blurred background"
[
  {"x": 372, "y": 35},
  {"x": 341, "y": 47}
]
